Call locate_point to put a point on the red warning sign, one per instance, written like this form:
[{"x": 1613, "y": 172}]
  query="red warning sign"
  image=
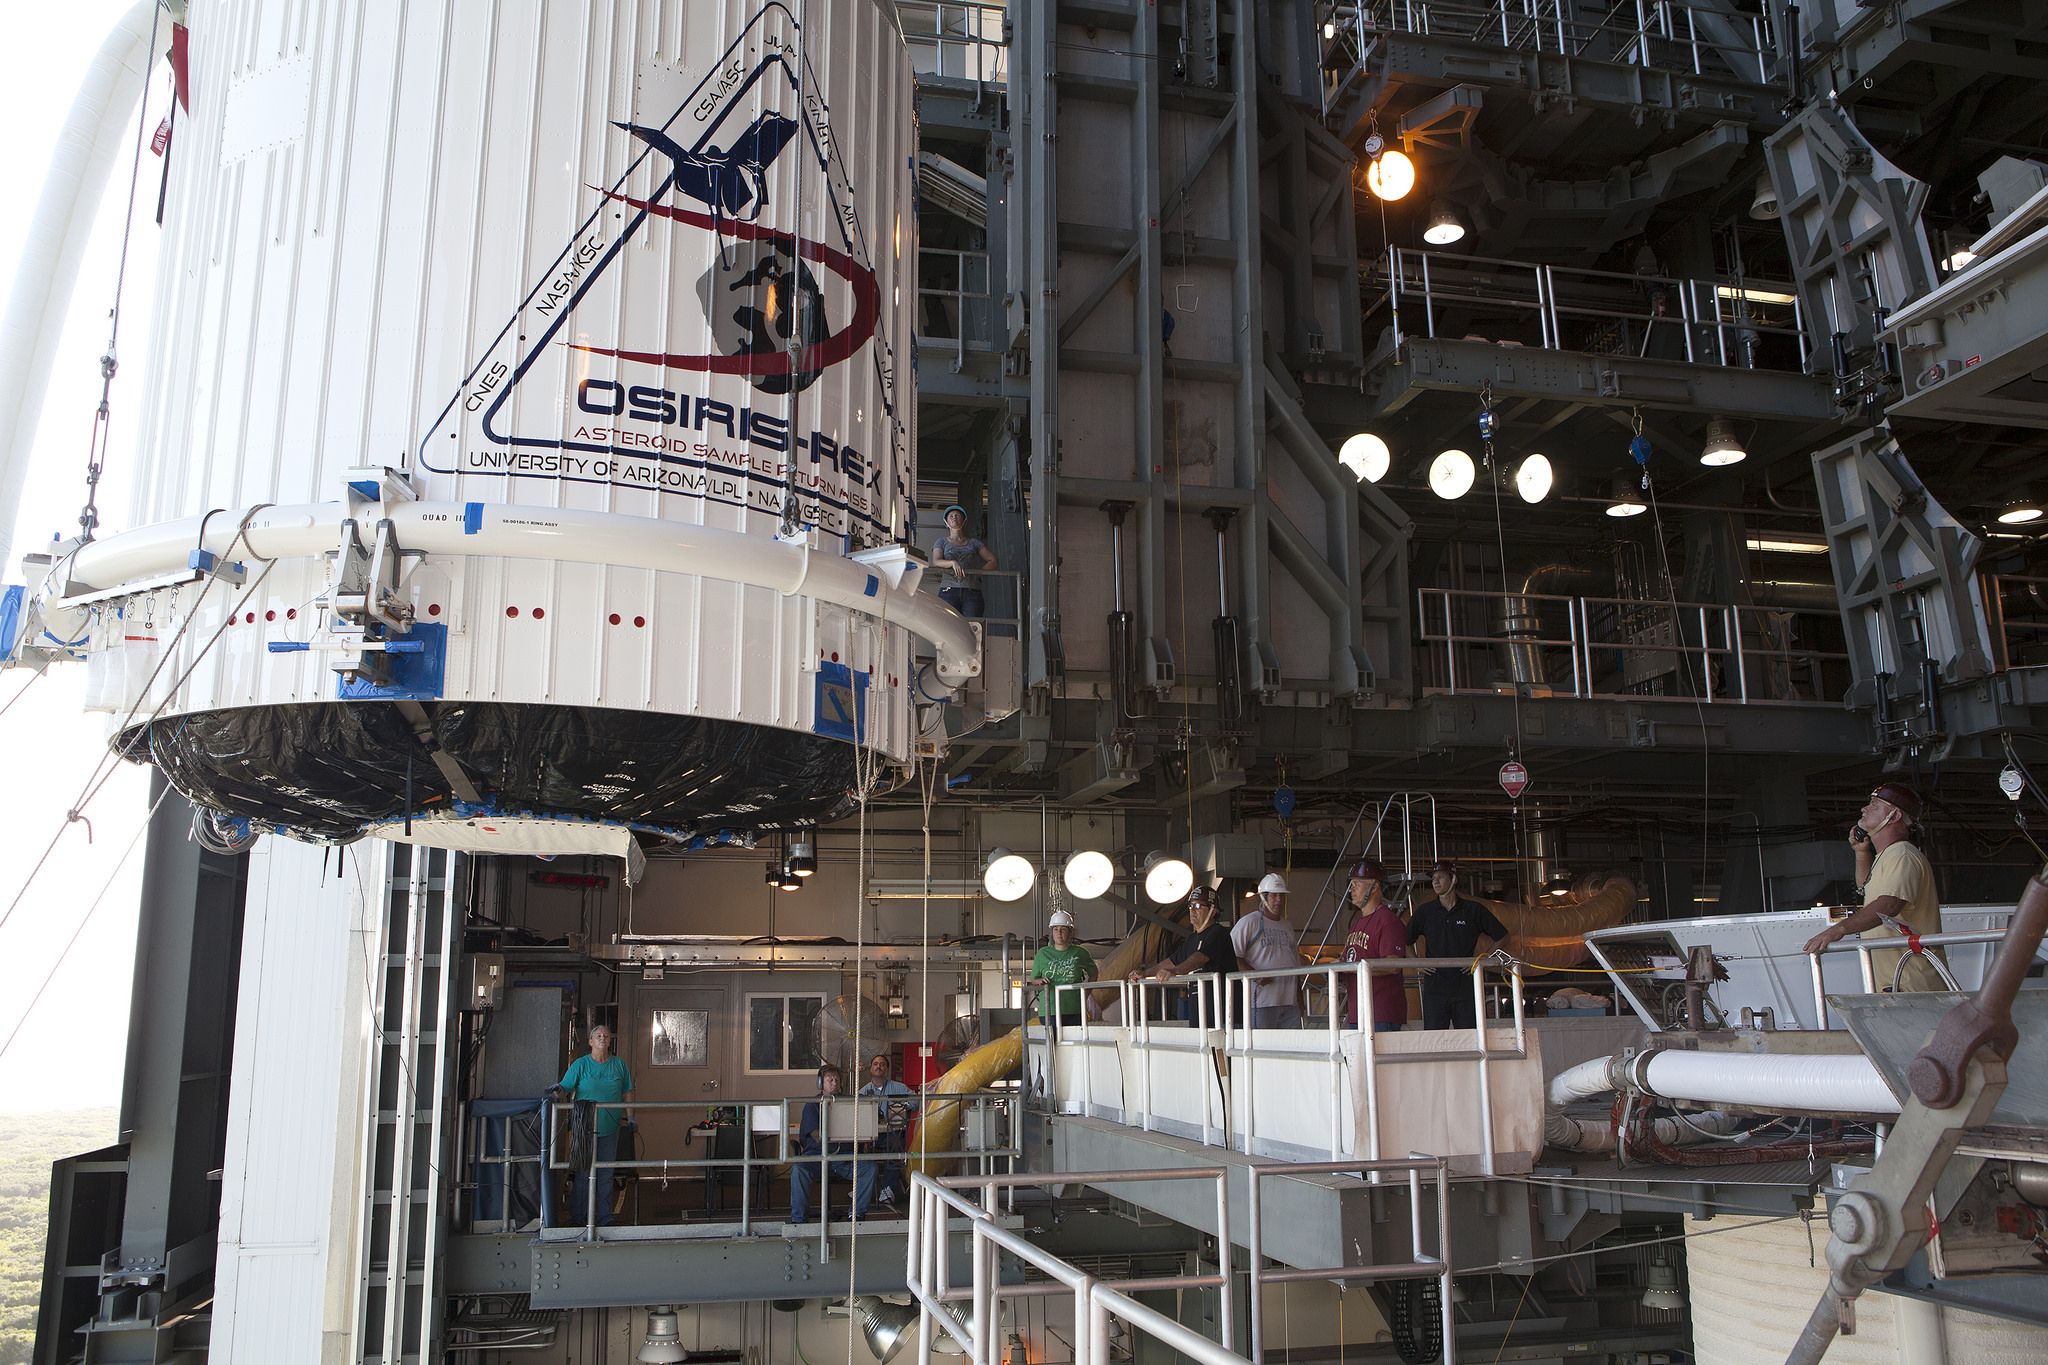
[{"x": 1513, "y": 779}]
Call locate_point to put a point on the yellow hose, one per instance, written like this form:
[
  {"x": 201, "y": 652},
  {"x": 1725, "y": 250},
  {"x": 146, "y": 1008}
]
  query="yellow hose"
[{"x": 939, "y": 1122}]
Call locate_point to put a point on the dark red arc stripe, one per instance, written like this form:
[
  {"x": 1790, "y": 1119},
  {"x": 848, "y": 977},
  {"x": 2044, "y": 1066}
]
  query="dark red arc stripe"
[{"x": 867, "y": 304}]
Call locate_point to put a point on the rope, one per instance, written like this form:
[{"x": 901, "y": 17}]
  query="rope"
[{"x": 84, "y": 919}]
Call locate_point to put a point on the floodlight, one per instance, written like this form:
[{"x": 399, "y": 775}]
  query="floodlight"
[
  {"x": 1627, "y": 502},
  {"x": 1366, "y": 456},
  {"x": 803, "y": 858},
  {"x": 1391, "y": 176},
  {"x": 884, "y": 1326},
  {"x": 1088, "y": 874},
  {"x": 1451, "y": 474},
  {"x": 1167, "y": 878},
  {"x": 1533, "y": 478},
  {"x": 1008, "y": 876}
]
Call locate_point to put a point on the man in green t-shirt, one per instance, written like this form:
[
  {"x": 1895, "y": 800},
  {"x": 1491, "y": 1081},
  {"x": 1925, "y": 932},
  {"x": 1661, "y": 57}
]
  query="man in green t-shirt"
[{"x": 1062, "y": 962}]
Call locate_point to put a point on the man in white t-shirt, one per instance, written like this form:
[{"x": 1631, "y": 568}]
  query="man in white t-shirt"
[{"x": 1265, "y": 942}]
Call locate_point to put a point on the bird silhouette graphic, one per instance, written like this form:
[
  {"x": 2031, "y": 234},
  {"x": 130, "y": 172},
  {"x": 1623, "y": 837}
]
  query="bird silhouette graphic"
[{"x": 732, "y": 182}]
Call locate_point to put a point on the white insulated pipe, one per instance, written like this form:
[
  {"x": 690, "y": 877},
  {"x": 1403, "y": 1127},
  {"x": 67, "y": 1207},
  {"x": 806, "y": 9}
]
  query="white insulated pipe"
[
  {"x": 100, "y": 125},
  {"x": 306, "y": 530},
  {"x": 1768, "y": 1084},
  {"x": 1758, "y": 1084}
]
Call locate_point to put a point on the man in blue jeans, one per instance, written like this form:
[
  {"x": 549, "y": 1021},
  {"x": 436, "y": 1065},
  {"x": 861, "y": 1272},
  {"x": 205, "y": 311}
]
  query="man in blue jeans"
[
  {"x": 803, "y": 1172},
  {"x": 603, "y": 1079},
  {"x": 954, "y": 556}
]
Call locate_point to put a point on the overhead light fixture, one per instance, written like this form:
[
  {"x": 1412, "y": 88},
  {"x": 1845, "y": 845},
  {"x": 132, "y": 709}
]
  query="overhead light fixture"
[
  {"x": 790, "y": 880},
  {"x": 2019, "y": 512},
  {"x": 1329, "y": 31},
  {"x": 1958, "y": 258},
  {"x": 1451, "y": 474},
  {"x": 803, "y": 858},
  {"x": 1660, "y": 1283},
  {"x": 1722, "y": 448},
  {"x": 1366, "y": 456},
  {"x": 1627, "y": 502},
  {"x": 1444, "y": 227},
  {"x": 1088, "y": 874},
  {"x": 664, "y": 1343},
  {"x": 1765, "y": 206},
  {"x": 774, "y": 877},
  {"x": 1559, "y": 885},
  {"x": 1390, "y": 176},
  {"x": 1775, "y": 546},
  {"x": 1729, "y": 291},
  {"x": 1533, "y": 478},
  {"x": 1008, "y": 876},
  {"x": 884, "y": 1326},
  {"x": 1167, "y": 878}
]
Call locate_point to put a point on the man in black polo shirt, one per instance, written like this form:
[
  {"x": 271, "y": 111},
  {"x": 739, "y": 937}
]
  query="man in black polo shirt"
[{"x": 1452, "y": 925}]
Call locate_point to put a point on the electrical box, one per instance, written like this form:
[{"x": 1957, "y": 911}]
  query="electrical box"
[
  {"x": 486, "y": 981},
  {"x": 1229, "y": 855}
]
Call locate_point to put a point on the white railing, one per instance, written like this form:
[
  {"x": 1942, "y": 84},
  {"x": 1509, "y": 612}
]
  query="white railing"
[
  {"x": 958, "y": 42},
  {"x": 954, "y": 300},
  {"x": 934, "y": 1203},
  {"x": 1664, "y": 35},
  {"x": 1743, "y": 325},
  {"x": 1320, "y": 1048},
  {"x": 1567, "y": 645},
  {"x": 1863, "y": 946}
]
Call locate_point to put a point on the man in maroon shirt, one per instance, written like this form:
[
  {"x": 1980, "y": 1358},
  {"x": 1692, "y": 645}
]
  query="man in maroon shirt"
[{"x": 1376, "y": 933}]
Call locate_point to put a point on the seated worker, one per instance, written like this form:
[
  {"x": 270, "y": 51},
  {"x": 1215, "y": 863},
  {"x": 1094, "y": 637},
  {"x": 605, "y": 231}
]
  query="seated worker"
[
  {"x": 1062, "y": 962},
  {"x": 803, "y": 1172},
  {"x": 1452, "y": 926},
  {"x": 1206, "y": 949},
  {"x": 1376, "y": 932},
  {"x": 1265, "y": 942},
  {"x": 893, "y": 1117},
  {"x": 1898, "y": 889}
]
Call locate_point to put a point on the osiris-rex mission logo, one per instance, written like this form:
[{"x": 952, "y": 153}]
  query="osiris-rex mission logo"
[{"x": 731, "y": 424}]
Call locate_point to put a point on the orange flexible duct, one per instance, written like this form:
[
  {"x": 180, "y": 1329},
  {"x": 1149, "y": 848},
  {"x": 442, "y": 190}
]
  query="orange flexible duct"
[{"x": 1553, "y": 935}]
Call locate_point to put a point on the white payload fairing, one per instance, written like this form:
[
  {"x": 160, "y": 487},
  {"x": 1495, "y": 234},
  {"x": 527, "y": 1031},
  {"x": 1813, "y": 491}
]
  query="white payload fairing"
[{"x": 529, "y": 454}]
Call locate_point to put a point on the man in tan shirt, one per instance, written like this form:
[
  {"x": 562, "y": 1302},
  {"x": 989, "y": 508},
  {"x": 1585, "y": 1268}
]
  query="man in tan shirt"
[{"x": 1897, "y": 883}]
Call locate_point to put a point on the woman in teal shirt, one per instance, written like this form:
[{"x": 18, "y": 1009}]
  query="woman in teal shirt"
[{"x": 602, "y": 1079}]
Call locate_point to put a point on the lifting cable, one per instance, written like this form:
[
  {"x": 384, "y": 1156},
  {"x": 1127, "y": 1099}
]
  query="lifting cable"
[{"x": 107, "y": 765}]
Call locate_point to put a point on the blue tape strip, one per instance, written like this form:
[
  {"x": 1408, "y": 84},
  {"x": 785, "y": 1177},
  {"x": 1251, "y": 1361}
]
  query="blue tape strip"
[
  {"x": 874, "y": 585},
  {"x": 472, "y": 518},
  {"x": 288, "y": 647}
]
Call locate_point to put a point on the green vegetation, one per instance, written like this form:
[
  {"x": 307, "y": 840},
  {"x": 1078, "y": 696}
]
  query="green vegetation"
[{"x": 28, "y": 1144}]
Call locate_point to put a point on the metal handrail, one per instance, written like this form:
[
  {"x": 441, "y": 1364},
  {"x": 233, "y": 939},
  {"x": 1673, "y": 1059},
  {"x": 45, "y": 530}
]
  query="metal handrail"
[
  {"x": 1231, "y": 1031},
  {"x": 1734, "y": 655},
  {"x": 550, "y": 1159},
  {"x": 926, "y": 1271},
  {"x": 2003, "y": 632},
  {"x": 1650, "y": 29},
  {"x": 1890, "y": 943},
  {"x": 977, "y": 325},
  {"x": 972, "y": 34},
  {"x": 1712, "y": 334}
]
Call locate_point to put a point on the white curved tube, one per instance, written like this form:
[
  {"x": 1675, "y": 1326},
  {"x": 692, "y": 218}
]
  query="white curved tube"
[
  {"x": 1770, "y": 1084},
  {"x": 452, "y": 528},
  {"x": 1583, "y": 1081},
  {"x": 99, "y": 126}
]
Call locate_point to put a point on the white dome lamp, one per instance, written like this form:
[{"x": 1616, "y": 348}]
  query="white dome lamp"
[
  {"x": 1534, "y": 479},
  {"x": 1008, "y": 876},
  {"x": 2019, "y": 512},
  {"x": 1366, "y": 456},
  {"x": 1451, "y": 474},
  {"x": 1167, "y": 878},
  {"x": 1444, "y": 227},
  {"x": 1088, "y": 874},
  {"x": 1722, "y": 448},
  {"x": 664, "y": 1343}
]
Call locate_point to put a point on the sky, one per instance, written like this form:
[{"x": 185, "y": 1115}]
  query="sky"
[{"x": 67, "y": 1051}]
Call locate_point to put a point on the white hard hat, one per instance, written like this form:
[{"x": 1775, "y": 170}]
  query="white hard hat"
[
  {"x": 1060, "y": 917},
  {"x": 1273, "y": 882}
]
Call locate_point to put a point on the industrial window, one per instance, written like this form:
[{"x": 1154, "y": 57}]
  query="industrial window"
[
  {"x": 782, "y": 1032},
  {"x": 682, "y": 1038}
]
